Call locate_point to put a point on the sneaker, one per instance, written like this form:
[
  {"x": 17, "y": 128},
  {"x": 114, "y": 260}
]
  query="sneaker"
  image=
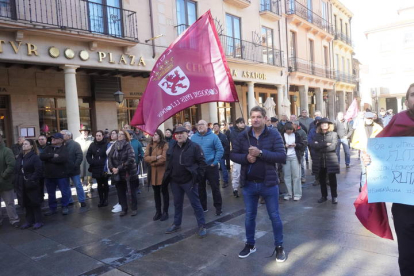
[
  {"x": 37, "y": 225},
  {"x": 50, "y": 213},
  {"x": 225, "y": 184},
  {"x": 247, "y": 250},
  {"x": 322, "y": 199},
  {"x": 16, "y": 225},
  {"x": 65, "y": 211},
  {"x": 117, "y": 208},
  {"x": 334, "y": 200},
  {"x": 202, "y": 232},
  {"x": 123, "y": 213},
  {"x": 83, "y": 204},
  {"x": 26, "y": 226},
  {"x": 173, "y": 228},
  {"x": 296, "y": 198},
  {"x": 218, "y": 213},
  {"x": 236, "y": 193},
  {"x": 205, "y": 210},
  {"x": 303, "y": 180},
  {"x": 280, "y": 254},
  {"x": 286, "y": 198},
  {"x": 134, "y": 213},
  {"x": 347, "y": 166}
]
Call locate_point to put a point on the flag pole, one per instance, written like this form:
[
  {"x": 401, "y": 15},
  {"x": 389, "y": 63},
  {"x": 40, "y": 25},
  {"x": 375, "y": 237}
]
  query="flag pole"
[{"x": 241, "y": 110}]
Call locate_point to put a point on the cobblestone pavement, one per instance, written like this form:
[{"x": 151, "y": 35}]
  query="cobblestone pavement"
[{"x": 320, "y": 239}]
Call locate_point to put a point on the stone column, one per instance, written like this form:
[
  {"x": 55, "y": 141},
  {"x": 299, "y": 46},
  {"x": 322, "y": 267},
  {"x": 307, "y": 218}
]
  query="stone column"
[
  {"x": 212, "y": 109},
  {"x": 341, "y": 103},
  {"x": 280, "y": 97},
  {"x": 303, "y": 93},
  {"x": 399, "y": 104},
  {"x": 331, "y": 104},
  {"x": 250, "y": 97},
  {"x": 72, "y": 104},
  {"x": 319, "y": 100}
]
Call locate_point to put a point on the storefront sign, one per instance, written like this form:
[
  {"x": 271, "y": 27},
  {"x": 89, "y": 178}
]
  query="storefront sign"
[
  {"x": 250, "y": 75},
  {"x": 84, "y": 55},
  {"x": 136, "y": 94}
]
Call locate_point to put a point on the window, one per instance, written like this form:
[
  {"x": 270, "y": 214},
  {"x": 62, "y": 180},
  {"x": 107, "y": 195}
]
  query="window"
[
  {"x": 324, "y": 7},
  {"x": 348, "y": 68},
  {"x": 53, "y": 118},
  {"x": 326, "y": 56},
  {"x": 233, "y": 30},
  {"x": 343, "y": 65},
  {"x": 267, "y": 43},
  {"x": 105, "y": 17},
  {"x": 224, "y": 112},
  {"x": 292, "y": 44},
  {"x": 337, "y": 62},
  {"x": 311, "y": 55},
  {"x": 346, "y": 29},
  {"x": 340, "y": 25},
  {"x": 126, "y": 111},
  {"x": 187, "y": 115},
  {"x": 310, "y": 13},
  {"x": 186, "y": 14}
]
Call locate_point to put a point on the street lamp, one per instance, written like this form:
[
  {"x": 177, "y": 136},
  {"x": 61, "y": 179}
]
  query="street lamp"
[
  {"x": 119, "y": 96},
  {"x": 295, "y": 98}
]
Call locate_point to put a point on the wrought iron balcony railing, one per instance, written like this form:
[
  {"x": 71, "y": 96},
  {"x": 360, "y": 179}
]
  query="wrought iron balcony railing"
[
  {"x": 311, "y": 68},
  {"x": 271, "y": 6},
  {"x": 181, "y": 28},
  {"x": 294, "y": 7},
  {"x": 246, "y": 50},
  {"x": 343, "y": 77},
  {"x": 73, "y": 14},
  {"x": 343, "y": 37}
]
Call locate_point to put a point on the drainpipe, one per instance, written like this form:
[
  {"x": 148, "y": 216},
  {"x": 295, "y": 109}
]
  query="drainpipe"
[{"x": 152, "y": 28}]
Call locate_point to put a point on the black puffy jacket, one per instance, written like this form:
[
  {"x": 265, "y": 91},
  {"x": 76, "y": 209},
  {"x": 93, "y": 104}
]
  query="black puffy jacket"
[
  {"x": 324, "y": 156},
  {"x": 122, "y": 156},
  {"x": 96, "y": 157}
]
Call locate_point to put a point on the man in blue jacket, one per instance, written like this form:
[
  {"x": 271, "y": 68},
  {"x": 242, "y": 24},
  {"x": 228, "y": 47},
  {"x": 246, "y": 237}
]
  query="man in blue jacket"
[
  {"x": 258, "y": 149},
  {"x": 213, "y": 152}
]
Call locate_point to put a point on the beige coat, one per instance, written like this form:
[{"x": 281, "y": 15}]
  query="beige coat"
[{"x": 157, "y": 166}]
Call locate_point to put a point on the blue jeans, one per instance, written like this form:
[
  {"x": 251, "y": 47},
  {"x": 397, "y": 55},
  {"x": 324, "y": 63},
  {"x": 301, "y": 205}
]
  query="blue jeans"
[
  {"x": 251, "y": 193},
  {"x": 79, "y": 189},
  {"x": 345, "y": 144},
  {"x": 223, "y": 171},
  {"x": 191, "y": 190},
  {"x": 63, "y": 184}
]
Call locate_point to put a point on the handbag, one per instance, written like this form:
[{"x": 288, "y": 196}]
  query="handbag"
[
  {"x": 115, "y": 177},
  {"x": 28, "y": 183}
]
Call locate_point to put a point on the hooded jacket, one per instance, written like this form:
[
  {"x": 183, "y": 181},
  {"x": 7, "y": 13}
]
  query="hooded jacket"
[{"x": 211, "y": 145}]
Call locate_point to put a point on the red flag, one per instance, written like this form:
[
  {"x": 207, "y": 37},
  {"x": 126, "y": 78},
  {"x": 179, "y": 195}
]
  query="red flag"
[
  {"x": 374, "y": 215},
  {"x": 352, "y": 111},
  {"x": 191, "y": 71}
]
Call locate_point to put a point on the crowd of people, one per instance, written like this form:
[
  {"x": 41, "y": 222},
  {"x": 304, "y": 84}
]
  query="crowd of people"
[{"x": 266, "y": 158}]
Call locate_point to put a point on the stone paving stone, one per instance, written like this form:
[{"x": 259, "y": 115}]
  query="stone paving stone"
[
  {"x": 105, "y": 250},
  {"x": 115, "y": 272},
  {"x": 73, "y": 238},
  {"x": 68, "y": 262},
  {"x": 40, "y": 248}
]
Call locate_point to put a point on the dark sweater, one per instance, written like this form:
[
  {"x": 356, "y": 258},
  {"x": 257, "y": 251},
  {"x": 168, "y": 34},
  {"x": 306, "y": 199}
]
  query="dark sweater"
[{"x": 179, "y": 172}]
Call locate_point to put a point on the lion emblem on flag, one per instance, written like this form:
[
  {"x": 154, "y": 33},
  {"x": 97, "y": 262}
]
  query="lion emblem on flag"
[{"x": 175, "y": 82}]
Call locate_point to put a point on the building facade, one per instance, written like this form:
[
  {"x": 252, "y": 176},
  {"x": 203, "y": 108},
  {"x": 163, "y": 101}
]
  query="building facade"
[
  {"x": 391, "y": 70},
  {"x": 62, "y": 61}
]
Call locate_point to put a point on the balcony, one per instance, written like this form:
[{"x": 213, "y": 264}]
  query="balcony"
[
  {"x": 76, "y": 15},
  {"x": 344, "y": 39},
  {"x": 342, "y": 77},
  {"x": 310, "y": 68},
  {"x": 239, "y": 3},
  {"x": 308, "y": 17},
  {"x": 270, "y": 9},
  {"x": 249, "y": 51}
]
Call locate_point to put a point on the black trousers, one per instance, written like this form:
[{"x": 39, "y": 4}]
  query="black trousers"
[
  {"x": 332, "y": 182},
  {"x": 122, "y": 189},
  {"x": 33, "y": 214},
  {"x": 103, "y": 188},
  {"x": 213, "y": 177},
  {"x": 404, "y": 227},
  {"x": 158, "y": 190}
]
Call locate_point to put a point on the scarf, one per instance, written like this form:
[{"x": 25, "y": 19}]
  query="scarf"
[{"x": 374, "y": 216}]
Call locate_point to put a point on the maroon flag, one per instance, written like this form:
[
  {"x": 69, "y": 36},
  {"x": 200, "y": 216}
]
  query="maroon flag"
[{"x": 191, "y": 71}]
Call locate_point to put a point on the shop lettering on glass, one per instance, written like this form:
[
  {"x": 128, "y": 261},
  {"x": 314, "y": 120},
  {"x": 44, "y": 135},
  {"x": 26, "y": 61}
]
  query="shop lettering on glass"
[
  {"x": 249, "y": 75},
  {"x": 68, "y": 53}
]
